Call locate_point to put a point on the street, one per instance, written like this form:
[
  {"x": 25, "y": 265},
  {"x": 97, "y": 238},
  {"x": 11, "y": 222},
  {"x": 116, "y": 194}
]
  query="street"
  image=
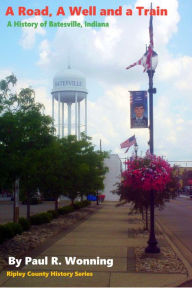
[
  {"x": 176, "y": 218},
  {"x": 6, "y": 209}
]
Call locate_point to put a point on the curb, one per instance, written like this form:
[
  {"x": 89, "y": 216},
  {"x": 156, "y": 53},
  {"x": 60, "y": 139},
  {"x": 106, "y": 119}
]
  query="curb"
[{"x": 177, "y": 252}]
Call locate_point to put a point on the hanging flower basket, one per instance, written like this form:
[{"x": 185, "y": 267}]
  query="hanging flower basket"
[{"x": 148, "y": 173}]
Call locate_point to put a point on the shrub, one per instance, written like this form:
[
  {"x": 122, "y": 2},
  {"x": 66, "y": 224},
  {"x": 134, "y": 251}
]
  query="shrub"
[
  {"x": 86, "y": 203},
  {"x": 2, "y": 233},
  {"x": 25, "y": 224},
  {"x": 53, "y": 213},
  {"x": 66, "y": 209},
  {"x": 77, "y": 205},
  {"x": 82, "y": 204},
  {"x": 41, "y": 218},
  {"x": 12, "y": 229},
  {"x": 9, "y": 230}
]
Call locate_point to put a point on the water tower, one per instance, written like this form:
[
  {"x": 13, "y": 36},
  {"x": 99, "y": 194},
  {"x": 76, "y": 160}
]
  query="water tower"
[{"x": 69, "y": 87}]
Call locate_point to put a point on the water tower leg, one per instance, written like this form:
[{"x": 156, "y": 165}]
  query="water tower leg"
[
  {"x": 59, "y": 102},
  {"x": 86, "y": 114},
  {"x": 69, "y": 118},
  {"x": 53, "y": 109},
  {"x": 76, "y": 114},
  {"x": 79, "y": 120},
  {"x": 62, "y": 119}
]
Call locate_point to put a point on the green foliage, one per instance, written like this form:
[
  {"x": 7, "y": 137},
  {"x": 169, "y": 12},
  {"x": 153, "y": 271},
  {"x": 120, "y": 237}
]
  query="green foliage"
[
  {"x": 66, "y": 210},
  {"x": 70, "y": 167},
  {"x": 13, "y": 229},
  {"x": 24, "y": 130},
  {"x": 9, "y": 230},
  {"x": 86, "y": 203},
  {"x": 79, "y": 205},
  {"x": 29, "y": 151},
  {"x": 25, "y": 224},
  {"x": 76, "y": 205},
  {"x": 54, "y": 214},
  {"x": 41, "y": 218},
  {"x": 2, "y": 233}
]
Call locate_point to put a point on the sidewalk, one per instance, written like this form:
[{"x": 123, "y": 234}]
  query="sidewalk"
[{"x": 109, "y": 233}]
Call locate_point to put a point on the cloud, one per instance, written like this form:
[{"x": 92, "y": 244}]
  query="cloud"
[
  {"x": 45, "y": 51},
  {"x": 29, "y": 33},
  {"x": 103, "y": 54},
  {"x": 172, "y": 132},
  {"x": 109, "y": 120}
]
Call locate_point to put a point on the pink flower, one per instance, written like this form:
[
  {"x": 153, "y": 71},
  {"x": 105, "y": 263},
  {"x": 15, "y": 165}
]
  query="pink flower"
[{"x": 150, "y": 172}]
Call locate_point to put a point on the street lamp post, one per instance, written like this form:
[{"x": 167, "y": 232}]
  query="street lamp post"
[
  {"x": 136, "y": 149},
  {"x": 152, "y": 242}
]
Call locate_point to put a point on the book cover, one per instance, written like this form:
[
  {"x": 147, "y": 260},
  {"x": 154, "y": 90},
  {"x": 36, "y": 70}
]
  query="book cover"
[{"x": 120, "y": 73}]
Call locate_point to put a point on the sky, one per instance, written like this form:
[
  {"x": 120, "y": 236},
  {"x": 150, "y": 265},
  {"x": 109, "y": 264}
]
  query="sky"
[{"x": 101, "y": 54}]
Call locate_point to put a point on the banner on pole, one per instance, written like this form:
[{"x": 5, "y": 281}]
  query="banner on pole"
[{"x": 138, "y": 109}]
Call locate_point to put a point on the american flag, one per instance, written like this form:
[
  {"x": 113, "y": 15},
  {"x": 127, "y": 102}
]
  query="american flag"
[
  {"x": 150, "y": 48},
  {"x": 139, "y": 62},
  {"x": 145, "y": 61},
  {"x": 128, "y": 143}
]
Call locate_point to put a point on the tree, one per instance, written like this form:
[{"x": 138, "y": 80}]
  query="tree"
[
  {"x": 70, "y": 167},
  {"x": 92, "y": 168},
  {"x": 84, "y": 169},
  {"x": 49, "y": 171},
  {"x": 31, "y": 153},
  {"x": 7, "y": 98},
  {"x": 24, "y": 130}
]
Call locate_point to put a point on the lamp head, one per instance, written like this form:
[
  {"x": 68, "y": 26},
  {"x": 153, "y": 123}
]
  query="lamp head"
[{"x": 154, "y": 60}]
